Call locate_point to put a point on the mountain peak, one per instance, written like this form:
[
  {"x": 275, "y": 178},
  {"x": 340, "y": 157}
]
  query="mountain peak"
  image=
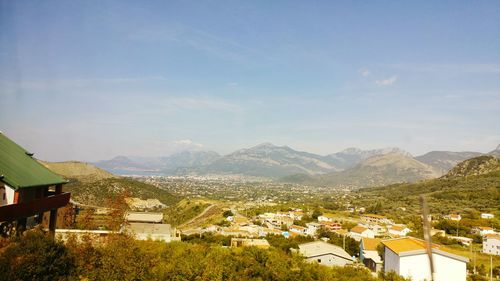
[{"x": 265, "y": 145}]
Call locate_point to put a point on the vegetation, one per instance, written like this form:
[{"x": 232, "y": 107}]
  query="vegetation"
[{"x": 37, "y": 257}]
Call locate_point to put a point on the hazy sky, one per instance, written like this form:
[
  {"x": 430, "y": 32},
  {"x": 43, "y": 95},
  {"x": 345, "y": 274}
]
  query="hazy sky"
[{"x": 90, "y": 80}]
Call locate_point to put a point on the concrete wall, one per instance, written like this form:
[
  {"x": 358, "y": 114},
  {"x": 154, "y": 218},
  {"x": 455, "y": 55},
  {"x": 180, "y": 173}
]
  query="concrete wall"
[
  {"x": 391, "y": 261},
  {"x": 491, "y": 246}
]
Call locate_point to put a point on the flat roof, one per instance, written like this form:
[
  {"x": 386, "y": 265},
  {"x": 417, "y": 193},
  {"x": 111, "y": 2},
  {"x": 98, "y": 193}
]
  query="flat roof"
[
  {"x": 409, "y": 246},
  {"x": 20, "y": 170}
]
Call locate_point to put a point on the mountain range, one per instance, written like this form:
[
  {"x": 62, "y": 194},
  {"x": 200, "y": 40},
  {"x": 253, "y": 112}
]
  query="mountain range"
[{"x": 350, "y": 167}]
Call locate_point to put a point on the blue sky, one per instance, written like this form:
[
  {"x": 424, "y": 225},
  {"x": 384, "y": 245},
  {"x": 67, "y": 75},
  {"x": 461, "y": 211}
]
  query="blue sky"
[{"x": 89, "y": 80}]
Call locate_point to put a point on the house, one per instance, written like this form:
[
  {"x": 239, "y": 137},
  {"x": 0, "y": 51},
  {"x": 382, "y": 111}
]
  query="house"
[
  {"x": 312, "y": 228},
  {"x": 325, "y": 253},
  {"x": 368, "y": 254},
  {"x": 377, "y": 229},
  {"x": 398, "y": 230},
  {"x": 453, "y": 217},
  {"x": 153, "y": 231},
  {"x": 407, "y": 257},
  {"x": 326, "y": 218},
  {"x": 491, "y": 244},
  {"x": 144, "y": 217},
  {"x": 298, "y": 229},
  {"x": 483, "y": 230},
  {"x": 376, "y": 219},
  {"x": 359, "y": 232},
  {"x": 331, "y": 226},
  {"x": 464, "y": 240},
  {"x": 438, "y": 232},
  {"x": 245, "y": 242},
  {"x": 27, "y": 188},
  {"x": 487, "y": 216}
]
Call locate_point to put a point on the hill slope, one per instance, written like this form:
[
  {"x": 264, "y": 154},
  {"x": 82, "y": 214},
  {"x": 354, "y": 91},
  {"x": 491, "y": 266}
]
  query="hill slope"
[
  {"x": 476, "y": 166},
  {"x": 90, "y": 185},
  {"x": 451, "y": 193}
]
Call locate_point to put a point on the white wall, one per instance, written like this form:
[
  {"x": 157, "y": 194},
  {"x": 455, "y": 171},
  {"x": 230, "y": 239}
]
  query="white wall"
[
  {"x": 329, "y": 260},
  {"x": 391, "y": 261},
  {"x": 491, "y": 246},
  {"x": 10, "y": 194},
  {"x": 446, "y": 269}
]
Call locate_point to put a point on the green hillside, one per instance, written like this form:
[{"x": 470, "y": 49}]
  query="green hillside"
[{"x": 454, "y": 192}]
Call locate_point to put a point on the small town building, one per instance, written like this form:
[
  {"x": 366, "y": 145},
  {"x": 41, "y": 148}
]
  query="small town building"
[
  {"x": 464, "y": 240},
  {"x": 245, "y": 242},
  {"x": 407, "y": 257},
  {"x": 491, "y": 244},
  {"x": 27, "y": 188},
  {"x": 326, "y": 218},
  {"x": 453, "y": 217},
  {"x": 368, "y": 253},
  {"x": 153, "y": 231},
  {"x": 376, "y": 219},
  {"x": 325, "y": 254},
  {"x": 312, "y": 228},
  {"x": 359, "y": 232},
  {"x": 144, "y": 217},
  {"x": 298, "y": 229},
  {"x": 487, "y": 216},
  {"x": 483, "y": 230},
  {"x": 330, "y": 226},
  {"x": 398, "y": 230}
]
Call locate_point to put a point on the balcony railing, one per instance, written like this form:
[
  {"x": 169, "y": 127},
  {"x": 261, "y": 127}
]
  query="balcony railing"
[{"x": 22, "y": 210}]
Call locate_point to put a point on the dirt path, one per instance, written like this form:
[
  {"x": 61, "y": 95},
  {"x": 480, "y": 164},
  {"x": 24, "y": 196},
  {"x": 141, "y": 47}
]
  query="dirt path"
[{"x": 197, "y": 217}]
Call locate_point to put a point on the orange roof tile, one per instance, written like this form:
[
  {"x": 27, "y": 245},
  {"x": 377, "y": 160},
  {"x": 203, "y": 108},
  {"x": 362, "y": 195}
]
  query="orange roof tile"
[{"x": 358, "y": 229}]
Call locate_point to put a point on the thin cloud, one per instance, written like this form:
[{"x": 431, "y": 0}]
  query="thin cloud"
[
  {"x": 364, "y": 72},
  {"x": 387, "y": 82}
]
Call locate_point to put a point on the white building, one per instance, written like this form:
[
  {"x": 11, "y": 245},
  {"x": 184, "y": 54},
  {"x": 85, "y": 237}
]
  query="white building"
[
  {"x": 487, "y": 216},
  {"x": 453, "y": 217},
  {"x": 153, "y": 231},
  {"x": 491, "y": 244},
  {"x": 407, "y": 257},
  {"x": 398, "y": 230},
  {"x": 312, "y": 228},
  {"x": 368, "y": 254},
  {"x": 359, "y": 232},
  {"x": 326, "y": 218},
  {"x": 325, "y": 253},
  {"x": 144, "y": 217},
  {"x": 483, "y": 230}
]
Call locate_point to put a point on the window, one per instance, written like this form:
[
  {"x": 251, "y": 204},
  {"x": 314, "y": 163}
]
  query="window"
[{"x": 319, "y": 260}]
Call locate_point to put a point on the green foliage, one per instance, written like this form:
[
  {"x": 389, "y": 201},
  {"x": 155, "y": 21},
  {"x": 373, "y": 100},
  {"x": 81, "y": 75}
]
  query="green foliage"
[
  {"x": 316, "y": 213},
  {"x": 285, "y": 244},
  {"x": 227, "y": 213},
  {"x": 351, "y": 245},
  {"x": 34, "y": 256},
  {"x": 184, "y": 211}
]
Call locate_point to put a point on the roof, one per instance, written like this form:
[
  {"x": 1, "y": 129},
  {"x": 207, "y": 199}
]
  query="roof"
[
  {"x": 412, "y": 246},
  {"x": 358, "y": 229},
  {"x": 319, "y": 248},
  {"x": 144, "y": 217},
  {"x": 492, "y": 236},
  {"x": 484, "y": 228},
  {"x": 328, "y": 215},
  {"x": 150, "y": 228},
  {"x": 20, "y": 170},
  {"x": 370, "y": 244},
  {"x": 374, "y": 216},
  {"x": 398, "y": 227}
]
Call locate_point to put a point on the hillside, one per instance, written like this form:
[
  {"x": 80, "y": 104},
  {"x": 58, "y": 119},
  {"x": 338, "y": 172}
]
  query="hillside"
[
  {"x": 92, "y": 186},
  {"x": 495, "y": 152},
  {"x": 451, "y": 193},
  {"x": 78, "y": 170},
  {"x": 445, "y": 160},
  {"x": 476, "y": 166},
  {"x": 350, "y": 157},
  {"x": 374, "y": 171}
]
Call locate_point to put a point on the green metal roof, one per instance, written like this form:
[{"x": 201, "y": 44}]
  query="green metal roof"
[{"x": 19, "y": 170}]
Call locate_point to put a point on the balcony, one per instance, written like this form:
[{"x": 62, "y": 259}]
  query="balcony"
[{"x": 22, "y": 210}]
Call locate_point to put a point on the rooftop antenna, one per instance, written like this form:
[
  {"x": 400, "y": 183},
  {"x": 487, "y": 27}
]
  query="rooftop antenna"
[{"x": 427, "y": 234}]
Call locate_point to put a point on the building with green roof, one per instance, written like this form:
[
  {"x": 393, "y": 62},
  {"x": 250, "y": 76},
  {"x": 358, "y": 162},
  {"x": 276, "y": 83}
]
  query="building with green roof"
[{"x": 27, "y": 188}]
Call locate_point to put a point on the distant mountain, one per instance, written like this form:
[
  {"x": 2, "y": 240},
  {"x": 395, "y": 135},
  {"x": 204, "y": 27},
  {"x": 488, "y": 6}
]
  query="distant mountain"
[
  {"x": 474, "y": 167},
  {"x": 376, "y": 171},
  {"x": 350, "y": 157},
  {"x": 495, "y": 152},
  {"x": 445, "y": 160},
  {"x": 268, "y": 160},
  {"x": 122, "y": 165}
]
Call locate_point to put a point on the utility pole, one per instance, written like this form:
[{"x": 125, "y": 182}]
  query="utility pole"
[{"x": 491, "y": 267}]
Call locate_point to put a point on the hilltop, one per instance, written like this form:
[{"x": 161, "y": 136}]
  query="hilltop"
[
  {"x": 476, "y": 166},
  {"x": 78, "y": 170}
]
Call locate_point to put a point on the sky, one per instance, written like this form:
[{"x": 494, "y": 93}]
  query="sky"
[{"x": 90, "y": 80}]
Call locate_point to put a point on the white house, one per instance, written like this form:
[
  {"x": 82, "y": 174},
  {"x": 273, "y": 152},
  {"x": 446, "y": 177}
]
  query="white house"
[
  {"x": 373, "y": 218},
  {"x": 144, "y": 217},
  {"x": 325, "y": 253},
  {"x": 491, "y": 244},
  {"x": 312, "y": 228},
  {"x": 359, "y": 232},
  {"x": 487, "y": 216},
  {"x": 326, "y": 218},
  {"x": 398, "y": 230},
  {"x": 368, "y": 254},
  {"x": 298, "y": 229},
  {"x": 483, "y": 230},
  {"x": 407, "y": 257},
  {"x": 453, "y": 217}
]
